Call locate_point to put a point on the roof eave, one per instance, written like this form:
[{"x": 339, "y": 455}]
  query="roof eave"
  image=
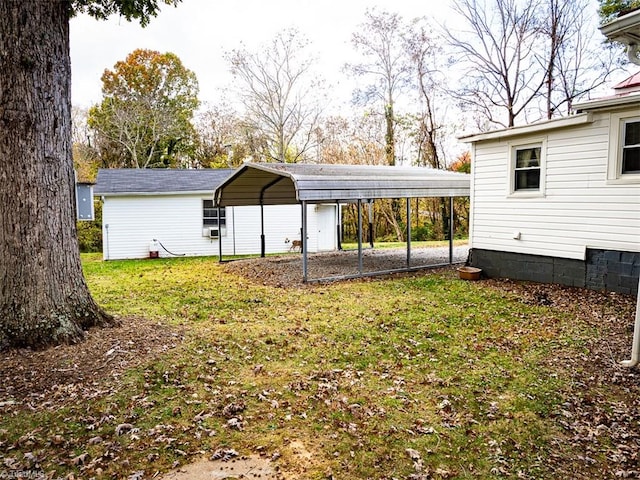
[
  {"x": 630, "y": 99},
  {"x": 556, "y": 123},
  {"x": 625, "y": 29},
  {"x": 155, "y": 194}
]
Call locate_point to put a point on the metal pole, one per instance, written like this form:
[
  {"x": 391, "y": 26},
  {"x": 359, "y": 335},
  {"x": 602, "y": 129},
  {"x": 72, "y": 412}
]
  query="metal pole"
[
  {"x": 262, "y": 240},
  {"x": 262, "y": 192},
  {"x": 408, "y": 232},
  {"x": 233, "y": 223},
  {"x": 303, "y": 239},
  {"x": 451, "y": 230},
  {"x": 360, "y": 266},
  {"x": 371, "y": 223},
  {"x": 219, "y": 237},
  {"x": 339, "y": 225}
]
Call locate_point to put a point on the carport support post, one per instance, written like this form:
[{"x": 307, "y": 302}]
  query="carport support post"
[
  {"x": 370, "y": 222},
  {"x": 408, "y": 232},
  {"x": 262, "y": 241},
  {"x": 303, "y": 238},
  {"x": 219, "y": 237},
  {"x": 451, "y": 217},
  {"x": 360, "y": 267},
  {"x": 339, "y": 224}
]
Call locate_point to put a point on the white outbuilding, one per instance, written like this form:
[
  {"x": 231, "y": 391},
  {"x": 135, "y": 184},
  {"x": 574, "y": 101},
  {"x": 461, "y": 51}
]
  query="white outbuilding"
[{"x": 171, "y": 212}]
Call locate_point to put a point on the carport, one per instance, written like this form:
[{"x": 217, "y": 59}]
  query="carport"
[{"x": 281, "y": 183}]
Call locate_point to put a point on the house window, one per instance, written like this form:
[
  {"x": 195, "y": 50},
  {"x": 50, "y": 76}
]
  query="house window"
[
  {"x": 631, "y": 147},
  {"x": 623, "y": 164},
  {"x": 210, "y": 215},
  {"x": 527, "y": 164}
]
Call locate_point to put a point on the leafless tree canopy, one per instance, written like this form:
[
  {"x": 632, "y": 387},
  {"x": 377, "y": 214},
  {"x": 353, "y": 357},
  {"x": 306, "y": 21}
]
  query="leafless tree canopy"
[
  {"x": 497, "y": 47},
  {"x": 524, "y": 59},
  {"x": 280, "y": 94}
]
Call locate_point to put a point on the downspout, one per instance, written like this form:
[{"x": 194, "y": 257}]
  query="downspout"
[
  {"x": 635, "y": 347},
  {"x": 632, "y": 53},
  {"x": 106, "y": 230}
]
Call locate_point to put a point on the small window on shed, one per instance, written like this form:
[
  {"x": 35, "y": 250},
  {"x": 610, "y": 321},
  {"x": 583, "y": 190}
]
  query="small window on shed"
[
  {"x": 210, "y": 215},
  {"x": 631, "y": 147},
  {"x": 527, "y": 168}
]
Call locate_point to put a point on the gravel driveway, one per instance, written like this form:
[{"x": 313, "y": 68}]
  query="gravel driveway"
[{"x": 286, "y": 269}]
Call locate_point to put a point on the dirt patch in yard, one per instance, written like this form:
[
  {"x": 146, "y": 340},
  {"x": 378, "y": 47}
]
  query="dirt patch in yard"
[{"x": 48, "y": 378}]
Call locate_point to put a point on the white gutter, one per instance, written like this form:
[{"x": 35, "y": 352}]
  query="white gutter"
[{"x": 635, "y": 347}]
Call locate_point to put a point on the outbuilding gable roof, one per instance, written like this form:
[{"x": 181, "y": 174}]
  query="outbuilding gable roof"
[{"x": 129, "y": 181}]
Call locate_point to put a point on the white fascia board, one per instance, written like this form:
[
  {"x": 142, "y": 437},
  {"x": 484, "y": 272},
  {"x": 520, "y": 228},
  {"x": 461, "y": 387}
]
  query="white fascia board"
[
  {"x": 622, "y": 101},
  {"x": 152, "y": 194},
  {"x": 553, "y": 124}
]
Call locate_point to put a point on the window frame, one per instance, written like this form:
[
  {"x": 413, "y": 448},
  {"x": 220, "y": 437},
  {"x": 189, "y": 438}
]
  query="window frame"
[
  {"x": 617, "y": 145},
  {"x": 514, "y": 147},
  {"x": 220, "y": 221}
]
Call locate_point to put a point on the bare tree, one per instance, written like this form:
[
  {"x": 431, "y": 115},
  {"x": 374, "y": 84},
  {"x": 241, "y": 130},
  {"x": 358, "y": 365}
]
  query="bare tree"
[
  {"x": 502, "y": 76},
  {"x": 576, "y": 62},
  {"x": 380, "y": 41},
  {"x": 280, "y": 93},
  {"x": 422, "y": 52},
  {"x": 524, "y": 58}
]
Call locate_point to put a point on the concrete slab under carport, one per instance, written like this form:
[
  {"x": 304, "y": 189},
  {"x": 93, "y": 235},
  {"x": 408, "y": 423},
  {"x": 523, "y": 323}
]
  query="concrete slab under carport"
[{"x": 276, "y": 184}]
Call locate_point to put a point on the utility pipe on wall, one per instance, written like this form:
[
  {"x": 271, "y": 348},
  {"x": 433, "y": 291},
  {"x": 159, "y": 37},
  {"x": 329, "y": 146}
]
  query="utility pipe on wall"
[{"x": 635, "y": 347}]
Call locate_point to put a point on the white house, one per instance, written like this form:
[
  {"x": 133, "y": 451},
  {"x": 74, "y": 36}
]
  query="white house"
[
  {"x": 172, "y": 212},
  {"x": 559, "y": 201}
]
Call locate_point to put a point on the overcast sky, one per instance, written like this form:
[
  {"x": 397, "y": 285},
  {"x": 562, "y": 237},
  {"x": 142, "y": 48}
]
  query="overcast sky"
[{"x": 201, "y": 31}]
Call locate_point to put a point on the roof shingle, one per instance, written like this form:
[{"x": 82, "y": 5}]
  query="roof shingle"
[{"x": 121, "y": 181}]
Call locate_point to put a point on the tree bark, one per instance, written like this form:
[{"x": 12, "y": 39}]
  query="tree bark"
[{"x": 44, "y": 299}]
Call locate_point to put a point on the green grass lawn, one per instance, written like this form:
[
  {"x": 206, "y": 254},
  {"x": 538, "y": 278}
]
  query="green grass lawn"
[{"x": 358, "y": 372}]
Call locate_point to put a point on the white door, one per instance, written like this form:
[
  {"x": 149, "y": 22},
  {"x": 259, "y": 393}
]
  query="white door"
[{"x": 326, "y": 228}]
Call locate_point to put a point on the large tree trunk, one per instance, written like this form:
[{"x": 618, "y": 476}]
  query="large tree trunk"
[{"x": 43, "y": 296}]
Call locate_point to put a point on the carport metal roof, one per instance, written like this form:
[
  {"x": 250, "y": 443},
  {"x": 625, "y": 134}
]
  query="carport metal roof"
[
  {"x": 278, "y": 184},
  {"x": 281, "y": 183}
]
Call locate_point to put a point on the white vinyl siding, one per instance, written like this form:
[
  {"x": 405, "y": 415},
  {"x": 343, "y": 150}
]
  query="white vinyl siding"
[
  {"x": 580, "y": 207},
  {"x": 130, "y": 223}
]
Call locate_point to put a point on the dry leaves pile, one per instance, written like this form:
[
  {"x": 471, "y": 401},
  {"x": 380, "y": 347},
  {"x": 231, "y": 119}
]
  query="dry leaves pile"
[
  {"x": 601, "y": 412},
  {"x": 53, "y": 377}
]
